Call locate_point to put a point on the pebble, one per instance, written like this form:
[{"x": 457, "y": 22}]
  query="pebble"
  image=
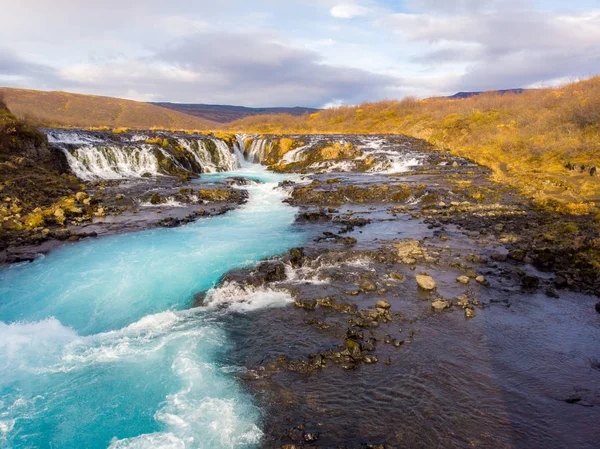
[
  {"x": 463, "y": 279},
  {"x": 426, "y": 282}
]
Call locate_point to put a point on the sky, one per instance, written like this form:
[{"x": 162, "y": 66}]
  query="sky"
[{"x": 314, "y": 53}]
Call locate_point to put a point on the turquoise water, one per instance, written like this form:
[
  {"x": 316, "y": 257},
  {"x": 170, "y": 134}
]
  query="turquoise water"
[{"x": 99, "y": 347}]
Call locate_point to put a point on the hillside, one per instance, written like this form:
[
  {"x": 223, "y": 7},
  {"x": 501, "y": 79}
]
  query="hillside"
[
  {"x": 546, "y": 141},
  {"x": 474, "y": 94},
  {"x": 64, "y": 109},
  {"x": 226, "y": 114}
]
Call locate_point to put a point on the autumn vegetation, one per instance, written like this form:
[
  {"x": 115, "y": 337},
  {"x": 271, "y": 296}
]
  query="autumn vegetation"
[{"x": 544, "y": 141}]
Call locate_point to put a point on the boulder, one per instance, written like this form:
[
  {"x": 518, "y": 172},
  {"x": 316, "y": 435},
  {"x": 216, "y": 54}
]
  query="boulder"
[
  {"x": 426, "y": 282},
  {"x": 463, "y": 279},
  {"x": 383, "y": 304},
  {"x": 366, "y": 285},
  {"x": 441, "y": 304}
]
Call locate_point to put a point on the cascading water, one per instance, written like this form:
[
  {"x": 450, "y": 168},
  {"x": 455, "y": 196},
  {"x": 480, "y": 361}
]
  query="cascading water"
[
  {"x": 258, "y": 150},
  {"x": 92, "y": 156},
  {"x": 228, "y": 161},
  {"x": 90, "y": 162},
  {"x": 98, "y": 346}
]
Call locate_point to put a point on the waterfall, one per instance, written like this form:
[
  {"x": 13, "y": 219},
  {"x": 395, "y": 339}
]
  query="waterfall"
[
  {"x": 93, "y": 155},
  {"x": 227, "y": 159},
  {"x": 201, "y": 154},
  {"x": 239, "y": 148},
  {"x": 90, "y": 162},
  {"x": 259, "y": 148},
  {"x": 296, "y": 155}
]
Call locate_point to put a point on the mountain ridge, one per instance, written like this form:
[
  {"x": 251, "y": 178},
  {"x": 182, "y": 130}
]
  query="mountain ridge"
[{"x": 228, "y": 113}]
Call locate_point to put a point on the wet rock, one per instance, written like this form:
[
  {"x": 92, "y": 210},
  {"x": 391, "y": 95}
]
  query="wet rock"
[
  {"x": 398, "y": 276},
  {"x": 369, "y": 359},
  {"x": 441, "y": 304},
  {"x": 80, "y": 196},
  {"x": 518, "y": 255},
  {"x": 462, "y": 301},
  {"x": 552, "y": 293},
  {"x": 155, "y": 199},
  {"x": 308, "y": 304},
  {"x": 296, "y": 257},
  {"x": 598, "y": 307},
  {"x": 463, "y": 279},
  {"x": 331, "y": 303},
  {"x": 367, "y": 285},
  {"x": 530, "y": 282},
  {"x": 481, "y": 280},
  {"x": 383, "y": 304},
  {"x": 273, "y": 272},
  {"x": 499, "y": 257},
  {"x": 314, "y": 217},
  {"x": 470, "y": 313},
  {"x": 426, "y": 282}
]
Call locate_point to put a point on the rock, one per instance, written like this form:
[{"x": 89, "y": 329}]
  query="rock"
[
  {"x": 80, "y": 196},
  {"x": 552, "y": 293},
  {"x": 463, "y": 279},
  {"x": 408, "y": 251},
  {"x": 383, "y": 304},
  {"x": 398, "y": 277},
  {"x": 310, "y": 437},
  {"x": 518, "y": 255},
  {"x": 308, "y": 304},
  {"x": 119, "y": 196},
  {"x": 366, "y": 285},
  {"x": 598, "y": 307},
  {"x": 481, "y": 280},
  {"x": 155, "y": 199},
  {"x": 272, "y": 271},
  {"x": 530, "y": 282},
  {"x": 498, "y": 257},
  {"x": 426, "y": 282},
  {"x": 441, "y": 304},
  {"x": 470, "y": 313},
  {"x": 462, "y": 301}
]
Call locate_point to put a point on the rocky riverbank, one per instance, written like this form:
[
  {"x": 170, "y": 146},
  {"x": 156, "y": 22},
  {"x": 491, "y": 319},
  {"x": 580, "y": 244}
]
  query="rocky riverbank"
[
  {"x": 429, "y": 310},
  {"x": 61, "y": 186}
]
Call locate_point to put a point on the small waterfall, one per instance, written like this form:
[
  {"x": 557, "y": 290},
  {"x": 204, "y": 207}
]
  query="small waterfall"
[
  {"x": 296, "y": 155},
  {"x": 200, "y": 152},
  {"x": 239, "y": 148},
  {"x": 227, "y": 159},
  {"x": 259, "y": 148},
  {"x": 91, "y": 162}
]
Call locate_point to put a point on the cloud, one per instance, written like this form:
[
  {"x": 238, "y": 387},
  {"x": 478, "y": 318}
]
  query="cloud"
[
  {"x": 235, "y": 68},
  {"x": 18, "y": 69},
  {"x": 509, "y": 48},
  {"x": 348, "y": 11}
]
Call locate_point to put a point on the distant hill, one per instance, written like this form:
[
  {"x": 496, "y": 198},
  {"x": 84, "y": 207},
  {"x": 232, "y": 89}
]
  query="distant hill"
[
  {"x": 474, "y": 94},
  {"x": 226, "y": 114},
  {"x": 77, "y": 110}
]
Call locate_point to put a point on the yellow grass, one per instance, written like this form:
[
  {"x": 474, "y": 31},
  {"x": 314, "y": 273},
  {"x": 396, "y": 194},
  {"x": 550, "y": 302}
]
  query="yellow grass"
[
  {"x": 525, "y": 139},
  {"x": 62, "y": 109}
]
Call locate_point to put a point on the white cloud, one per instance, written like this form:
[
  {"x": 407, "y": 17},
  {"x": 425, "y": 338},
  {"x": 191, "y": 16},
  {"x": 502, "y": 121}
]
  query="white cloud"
[
  {"x": 504, "y": 49},
  {"x": 348, "y": 11}
]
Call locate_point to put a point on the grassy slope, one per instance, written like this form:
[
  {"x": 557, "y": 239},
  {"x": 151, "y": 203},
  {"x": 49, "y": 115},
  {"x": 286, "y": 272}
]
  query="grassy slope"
[
  {"x": 526, "y": 139},
  {"x": 64, "y": 109}
]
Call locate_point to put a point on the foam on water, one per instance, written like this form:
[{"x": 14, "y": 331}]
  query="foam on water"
[{"x": 98, "y": 346}]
